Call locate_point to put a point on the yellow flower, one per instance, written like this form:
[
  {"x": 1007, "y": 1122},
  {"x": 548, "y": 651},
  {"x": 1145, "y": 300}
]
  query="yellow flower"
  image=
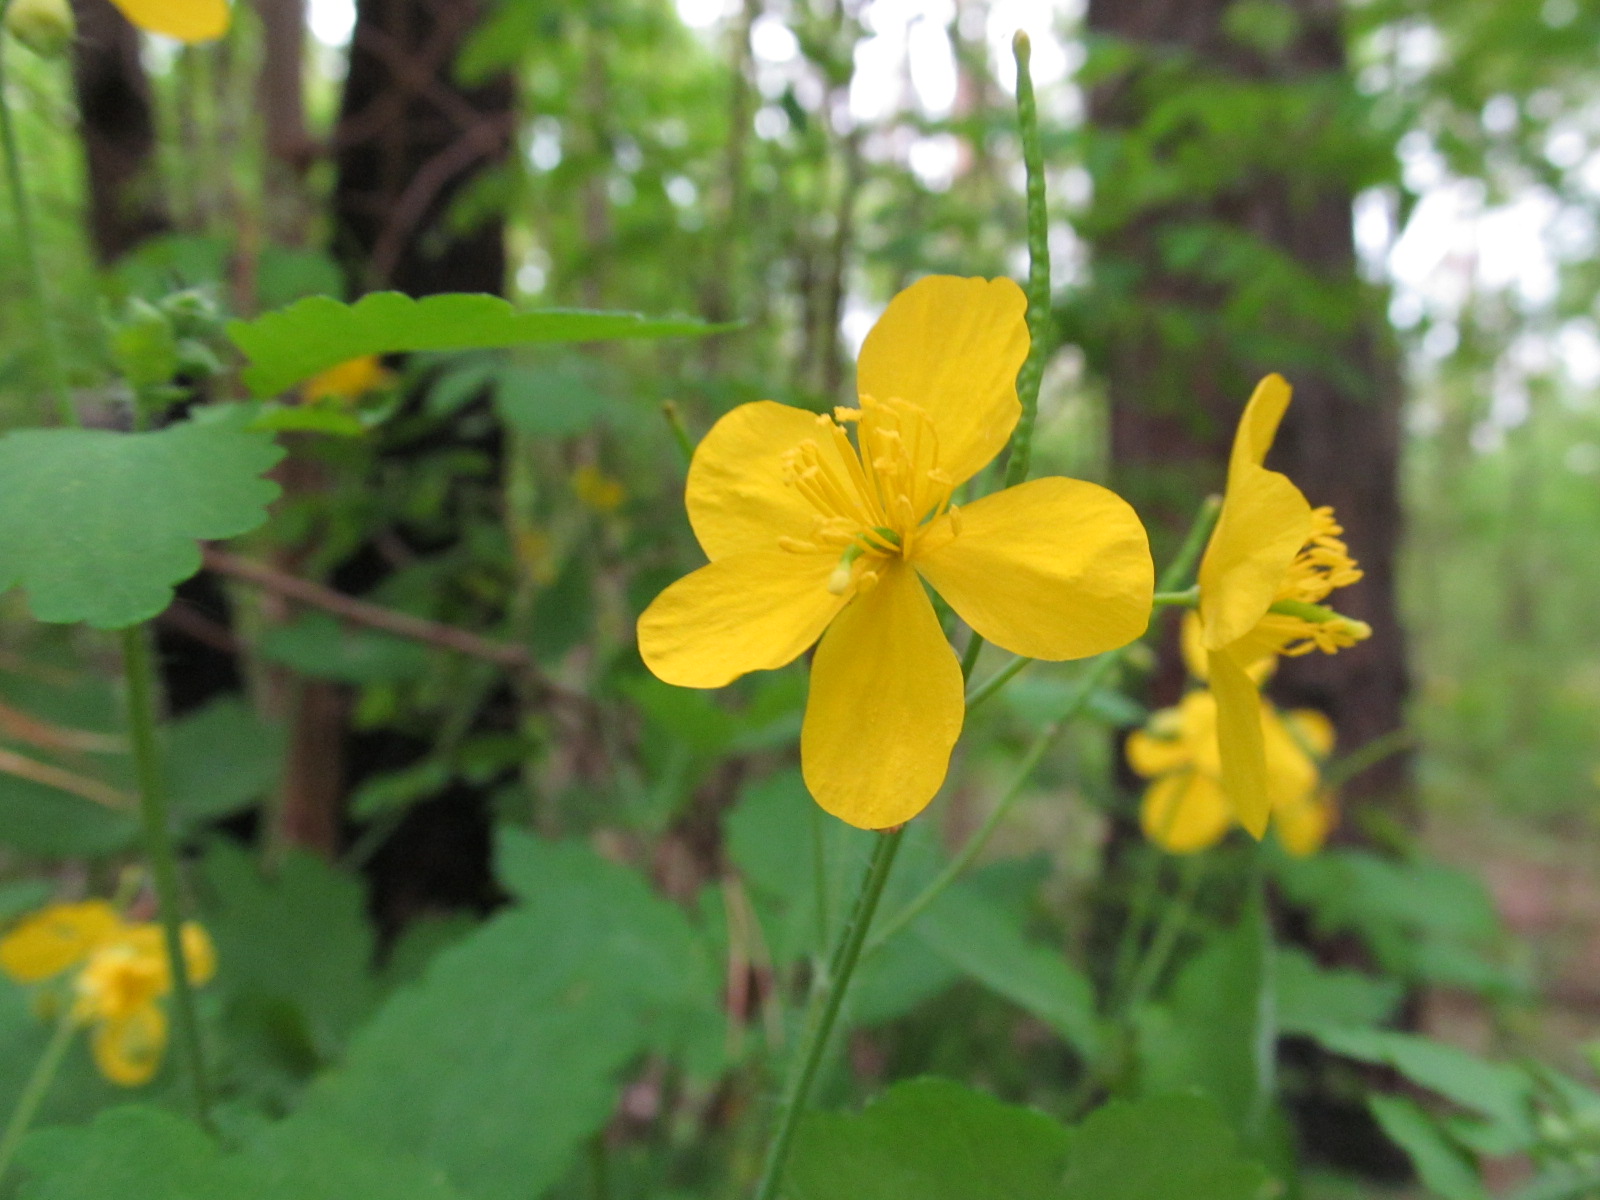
[
  {"x": 1186, "y": 808},
  {"x": 186, "y": 20},
  {"x": 1271, "y": 560},
  {"x": 597, "y": 490},
  {"x": 811, "y": 534},
  {"x": 123, "y": 974},
  {"x": 348, "y": 381}
]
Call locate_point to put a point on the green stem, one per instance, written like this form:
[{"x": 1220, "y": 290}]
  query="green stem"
[
  {"x": 38, "y": 1085},
  {"x": 163, "y": 861},
  {"x": 1039, "y": 331},
  {"x": 969, "y": 659},
  {"x": 819, "y": 874},
  {"x": 1187, "y": 598},
  {"x": 1174, "y": 918},
  {"x": 827, "y": 997},
  {"x": 680, "y": 432},
  {"x": 1183, "y": 562},
  {"x": 997, "y": 681},
  {"x": 27, "y": 246}
]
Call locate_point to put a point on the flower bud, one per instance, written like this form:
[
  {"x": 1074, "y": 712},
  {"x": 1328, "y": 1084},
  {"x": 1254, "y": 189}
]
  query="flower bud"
[{"x": 46, "y": 27}]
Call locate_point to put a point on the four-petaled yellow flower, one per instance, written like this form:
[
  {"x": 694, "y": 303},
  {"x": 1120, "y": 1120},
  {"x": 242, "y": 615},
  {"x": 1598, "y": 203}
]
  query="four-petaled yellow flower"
[
  {"x": 811, "y": 534},
  {"x": 1271, "y": 560},
  {"x": 122, "y": 974},
  {"x": 186, "y": 20},
  {"x": 1185, "y": 808}
]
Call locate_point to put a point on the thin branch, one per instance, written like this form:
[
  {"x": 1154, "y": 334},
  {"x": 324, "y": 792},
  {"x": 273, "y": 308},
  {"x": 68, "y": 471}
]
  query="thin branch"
[
  {"x": 23, "y": 767},
  {"x": 362, "y": 612}
]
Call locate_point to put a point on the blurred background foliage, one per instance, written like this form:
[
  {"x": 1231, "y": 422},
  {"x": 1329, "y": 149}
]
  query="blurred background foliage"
[{"x": 1393, "y": 202}]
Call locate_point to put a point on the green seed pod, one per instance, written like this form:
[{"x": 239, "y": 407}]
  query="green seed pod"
[{"x": 46, "y": 27}]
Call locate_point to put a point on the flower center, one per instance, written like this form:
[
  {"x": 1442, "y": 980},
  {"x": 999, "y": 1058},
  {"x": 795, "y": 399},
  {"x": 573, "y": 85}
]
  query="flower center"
[
  {"x": 117, "y": 981},
  {"x": 1297, "y": 616},
  {"x": 874, "y": 497}
]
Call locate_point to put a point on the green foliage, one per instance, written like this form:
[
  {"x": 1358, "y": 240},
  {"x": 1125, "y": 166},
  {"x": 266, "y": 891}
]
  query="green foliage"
[
  {"x": 983, "y": 940},
  {"x": 311, "y": 335},
  {"x": 938, "y": 1139},
  {"x": 99, "y": 526},
  {"x": 294, "y": 953},
  {"x": 138, "y": 1153},
  {"x": 934, "y": 1139},
  {"x": 220, "y": 758},
  {"x": 1215, "y": 1031},
  {"x": 538, "y": 1009}
]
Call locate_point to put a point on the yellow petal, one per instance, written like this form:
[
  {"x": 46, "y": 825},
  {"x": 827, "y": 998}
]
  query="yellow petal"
[
  {"x": 1264, "y": 522},
  {"x": 1258, "y": 425},
  {"x": 1240, "y": 742},
  {"x": 128, "y": 1049},
  {"x": 1151, "y": 756},
  {"x": 186, "y": 20},
  {"x": 1303, "y": 827},
  {"x": 61, "y": 936},
  {"x": 1291, "y": 774},
  {"x": 1257, "y": 651},
  {"x": 748, "y": 612},
  {"x": 1185, "y": 812},
  {"x": 1312, "y": 730},
  {"x": 1054, "y": 569},
  {"x": 885, "y": 707},
  {"x": 952, "y": 347},
  {"x": 736, "y": 494}
]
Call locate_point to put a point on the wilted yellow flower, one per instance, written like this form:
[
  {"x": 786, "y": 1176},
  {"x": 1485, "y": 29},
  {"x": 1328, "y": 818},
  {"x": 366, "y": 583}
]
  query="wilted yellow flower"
[
  {"x": 597, "y": 490},
  {"x": 812, "y": 534},
  {"x": 1271, "y": 560},
  {"x": 1186, "y": 809},
  {"x": 123, "y": 973},
  {"x": 348, "y": 381},
  {"x": 186, "y": 20}
]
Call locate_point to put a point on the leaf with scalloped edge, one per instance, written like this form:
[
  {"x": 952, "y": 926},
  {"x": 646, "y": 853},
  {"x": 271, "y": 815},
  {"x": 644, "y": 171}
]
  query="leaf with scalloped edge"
[
  {"x": 99, "y": 526},
  {"x": 311, "y": 335}
]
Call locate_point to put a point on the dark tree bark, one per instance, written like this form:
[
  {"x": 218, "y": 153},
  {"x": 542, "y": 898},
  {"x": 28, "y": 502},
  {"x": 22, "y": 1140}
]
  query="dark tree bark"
[
  {"x": 1174, "y": 406},
  {"x": 118, "y": 126},
  {"x": 410, "y": 139},
  {"x": 290, "y": 149}
]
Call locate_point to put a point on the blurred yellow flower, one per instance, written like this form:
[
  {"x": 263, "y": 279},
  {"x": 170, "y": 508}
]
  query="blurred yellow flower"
[
  {"x": 812, "y": 534},
  {"x": 597, "y": 490},
  {"x": 1271, "y": 560},
  {"x": 123, "y": 973},
  {"x": 186, "y": 20},
  {"x": 1186, "y": 809},
  {"x": 348, "y": 381}
]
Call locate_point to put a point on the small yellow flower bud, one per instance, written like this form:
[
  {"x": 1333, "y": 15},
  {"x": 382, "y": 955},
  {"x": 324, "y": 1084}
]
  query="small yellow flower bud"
[{"x": 46, "y": 27}]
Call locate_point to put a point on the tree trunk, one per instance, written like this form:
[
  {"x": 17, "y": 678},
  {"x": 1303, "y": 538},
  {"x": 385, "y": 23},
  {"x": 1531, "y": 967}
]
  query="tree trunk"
[
  {"x": 410, "y": 140},
  {"x": 1175, "y": 399},
  {"x": 119, "y": 135}
]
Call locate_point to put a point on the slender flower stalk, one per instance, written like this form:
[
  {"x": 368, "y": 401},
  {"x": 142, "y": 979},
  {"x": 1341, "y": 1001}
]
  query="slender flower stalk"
[
  {"x": 36, "y": 1089},
  {"x": 163, "y": 860},
  {"x": 27, "y": 244},
  {"x": 1032, "y": 372},
  {"x": 828, "y": 993}
]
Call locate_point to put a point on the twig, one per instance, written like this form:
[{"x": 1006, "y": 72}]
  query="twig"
[
  {"x": 23, "y": 767},
  {"x": 374, "y": 616}
]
